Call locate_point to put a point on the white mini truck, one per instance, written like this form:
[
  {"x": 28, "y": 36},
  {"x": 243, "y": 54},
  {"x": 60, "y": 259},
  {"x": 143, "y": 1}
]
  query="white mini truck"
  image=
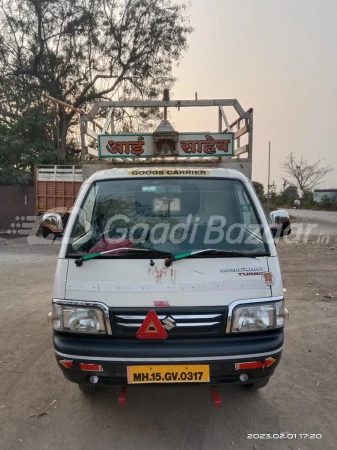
[
  {"x": 168, "y": 276},
  {"x": 168, "y": 272}
]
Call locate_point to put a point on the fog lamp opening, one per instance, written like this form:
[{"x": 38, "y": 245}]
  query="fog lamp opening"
[{"x": 244, "y": 377}]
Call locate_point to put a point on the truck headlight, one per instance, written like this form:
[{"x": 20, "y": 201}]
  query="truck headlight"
[
  {"x": 78, "y": 319},
  {"x": 266, "y": 316}
]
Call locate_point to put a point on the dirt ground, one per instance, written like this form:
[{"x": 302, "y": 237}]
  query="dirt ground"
[{"x": 39, "y": 409}]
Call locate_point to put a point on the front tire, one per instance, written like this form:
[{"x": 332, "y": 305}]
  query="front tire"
[
  {"x": 257, "y": 385},
  {"x": 286, "y": 229},
  {"x": 87, "y": 388},
  {"x": 45, "y": 232}
]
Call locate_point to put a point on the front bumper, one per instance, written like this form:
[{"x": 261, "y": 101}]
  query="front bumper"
[{"x": 223, "y": 355}]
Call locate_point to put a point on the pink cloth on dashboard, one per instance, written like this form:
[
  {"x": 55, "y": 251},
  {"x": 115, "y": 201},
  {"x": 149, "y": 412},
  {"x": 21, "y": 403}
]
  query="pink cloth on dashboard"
[{"x": 110, "y": 244}]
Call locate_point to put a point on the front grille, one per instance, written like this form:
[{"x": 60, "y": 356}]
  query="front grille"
[{"x": 178, "y": 322}]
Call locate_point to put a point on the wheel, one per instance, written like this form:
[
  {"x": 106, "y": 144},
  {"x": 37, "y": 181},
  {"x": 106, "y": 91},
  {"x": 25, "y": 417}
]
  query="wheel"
[
  {"x": 45, "y": 232},
  {"x": 87, "y": 388},
  {"x": 257, "y": 385},
  {"x": 286, "y": 229}
]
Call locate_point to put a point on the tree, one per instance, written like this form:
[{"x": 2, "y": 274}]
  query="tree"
[
  {"x": 273, "y": 192},
  {"x": 22, "y": 146},
  {"x": 328, "y": 199},
  {"x": 304, "y": 175},
  {"x": 259, "y": 189},
  {"x": 290, "y": 193},
  {"x": 80, "y": 51}
]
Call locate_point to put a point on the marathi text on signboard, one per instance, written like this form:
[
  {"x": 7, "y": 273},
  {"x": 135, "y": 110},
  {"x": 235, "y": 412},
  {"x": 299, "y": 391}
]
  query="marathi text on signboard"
[
  {"x": 189, "y": 145},
  {"x": 126, "y": 147},
  {"x": 208, "y": 146}
]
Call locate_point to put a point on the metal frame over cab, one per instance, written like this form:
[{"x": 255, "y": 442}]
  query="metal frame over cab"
[{"x": 242, "y": 127}]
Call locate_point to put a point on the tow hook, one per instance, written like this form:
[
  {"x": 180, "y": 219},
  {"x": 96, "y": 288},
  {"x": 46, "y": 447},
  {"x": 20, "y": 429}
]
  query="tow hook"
[
  {"x": 216, "y": 397},
  {"x": 214, "y": 392},
  {"x": 122, "y": 396}
]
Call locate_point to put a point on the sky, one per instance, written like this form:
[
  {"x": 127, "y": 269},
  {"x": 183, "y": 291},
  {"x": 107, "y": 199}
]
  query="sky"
[{"x": 276, "y": 56}]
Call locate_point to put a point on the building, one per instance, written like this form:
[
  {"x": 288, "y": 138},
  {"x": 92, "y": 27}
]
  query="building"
[{"x": 323, "y": 194}]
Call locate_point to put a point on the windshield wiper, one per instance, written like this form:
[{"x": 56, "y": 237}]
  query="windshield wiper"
[
  {"x": 152, "y": 251},
  {"x": 209, "y": 251}
]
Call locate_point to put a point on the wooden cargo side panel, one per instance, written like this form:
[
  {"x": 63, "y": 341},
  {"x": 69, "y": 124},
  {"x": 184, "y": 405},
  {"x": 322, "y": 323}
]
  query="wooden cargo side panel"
[
  {"x": 56, "y": 187},
  {"x": 56, "y": 195}
]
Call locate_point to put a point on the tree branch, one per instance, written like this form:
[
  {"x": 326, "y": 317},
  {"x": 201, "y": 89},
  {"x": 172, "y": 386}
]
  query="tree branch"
[
  {"x": 10, "y": 114},
  {"x": 38, "y": 57},
  {"x": 306, "y": 175}
]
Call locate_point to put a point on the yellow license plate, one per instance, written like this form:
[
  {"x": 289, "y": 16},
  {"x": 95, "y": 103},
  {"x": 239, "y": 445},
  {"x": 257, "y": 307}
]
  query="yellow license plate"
[{"x": 168, "y": 374}]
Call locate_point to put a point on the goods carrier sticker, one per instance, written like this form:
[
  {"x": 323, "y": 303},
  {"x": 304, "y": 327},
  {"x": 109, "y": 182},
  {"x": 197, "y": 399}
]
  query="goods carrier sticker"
[{"x": 169, "y": 172}]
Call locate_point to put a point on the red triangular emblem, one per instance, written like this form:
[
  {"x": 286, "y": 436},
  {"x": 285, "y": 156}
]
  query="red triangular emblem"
[{"x": 151, "y": 328}]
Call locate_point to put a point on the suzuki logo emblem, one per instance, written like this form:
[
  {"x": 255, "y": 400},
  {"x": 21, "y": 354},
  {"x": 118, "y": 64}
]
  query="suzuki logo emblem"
[{"x": 168, "y": 323}]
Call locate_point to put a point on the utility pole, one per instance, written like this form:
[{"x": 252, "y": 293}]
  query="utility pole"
[
  {"x": 268, "y": 194},
  {"x": 58, "y": 139}
]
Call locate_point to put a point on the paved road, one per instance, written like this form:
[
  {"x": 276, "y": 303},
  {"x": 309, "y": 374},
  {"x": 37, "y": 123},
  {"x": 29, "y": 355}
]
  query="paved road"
[{"x": 325, "y": 216}]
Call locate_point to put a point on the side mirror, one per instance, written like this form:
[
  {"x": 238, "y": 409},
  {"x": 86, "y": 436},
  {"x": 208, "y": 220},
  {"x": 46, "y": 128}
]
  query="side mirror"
[
  {"x": 52, "y": 224},
  {"x": 279, "y": 222}
]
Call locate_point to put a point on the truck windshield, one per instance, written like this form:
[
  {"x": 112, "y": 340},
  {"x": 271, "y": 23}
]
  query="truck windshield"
[{"x": 172, "y": 215}]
